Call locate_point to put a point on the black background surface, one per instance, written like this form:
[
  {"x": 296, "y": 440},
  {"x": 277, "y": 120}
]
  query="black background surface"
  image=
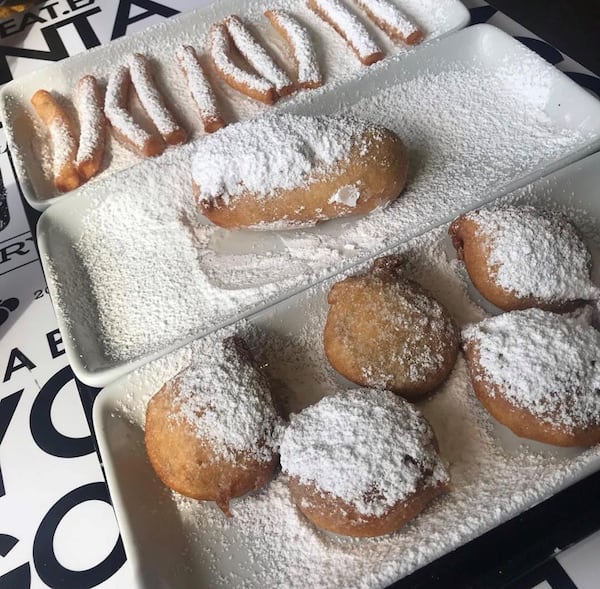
[{"x": 572, "y": 26}]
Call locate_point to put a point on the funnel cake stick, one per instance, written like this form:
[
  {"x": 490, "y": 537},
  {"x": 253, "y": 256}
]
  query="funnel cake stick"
[
  {"x": 62, "y": 136},
  {"x": 298, "y": 38}
]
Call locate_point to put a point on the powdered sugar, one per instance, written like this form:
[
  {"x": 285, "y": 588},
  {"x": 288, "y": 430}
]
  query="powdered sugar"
[
  {"x": 159, "y": 44},
  {"x": 91, "y": 118},
  {"x": 272, "y": 153},
  {"x": 536, "y": 254},
  {"x": 256, "y": 54},
  {"x": 369, "y": 448},
  {"x": 116, "y": 108},
  {"x": 545, "y": 363},
  {"x": 408, "y": 337},
  {"x": 199, "y": 85},
  {"x": 159, "y": 273},
  {"x": 64, "y": 145},
  {"x": 393, "y": 18},
  {"x": 346, "y": 195},
  {"x": 268, "y": 542},
  {"x": 348, "y": 26},
  {"x": 149, "y": 95},
  {"x": 219, "y": 49},
  {"x": 227, "y": 401},
  {"x": 307, "y": 64}
]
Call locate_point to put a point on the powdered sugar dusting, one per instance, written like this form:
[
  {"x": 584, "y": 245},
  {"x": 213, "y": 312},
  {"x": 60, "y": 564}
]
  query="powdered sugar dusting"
[
  {"x": 156, "y": 270},
  {"x": 256, "y": 54},
  {"x": 302, "y": 47},
  {"x": 227, "y": 401},
  {"x": 369, "y": 448},
  {"x": 115, "y": 107},
  {"x": 268, "y": 542},
  {"x": 64, "y": 145},
  {"x": 535, "y": 253},
  {"x": 198, "y": 83},
  {"x": 219, "y": 49},
  {"x": 546, "y": 363},
  {"x": 272, "y": 153},
  {"x": 346, "y": 195},
  {"x": 91, "y": 118},
  {"x": 149, "y": 95},
  {"x": 402, "y": 334},
  {"x": 391, "y": 15},
  {"x": 159, "y": 44},
  {"x": 147, "y": 295},
  {"x": 464, "y": 137},
  {"x": 348, "y": 25}
]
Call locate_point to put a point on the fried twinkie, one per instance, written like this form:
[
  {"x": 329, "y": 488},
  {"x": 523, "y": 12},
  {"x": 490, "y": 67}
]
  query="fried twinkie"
[
  {"x": 520, "y": 257},
  {"x": 200, "y": 89},
  {"x": 285, "y": 171},
  {"x": 388, "y": 17},
  {"x": 362, "y": 463},
  {"x": 538, "y": 373},
  {"x": 62, "y": 136},
  {"x": 298, "y": 38},
  {"x": 385, "y": 331},
  {"x": 210, "y": 431},
  {"x": 124, "y": 127},
  {"x": 256, "y": 55},
  {"x": 92, "y": 123},
  {"x": 252, "y": 85},
  {"x": 349, "y": 27},
  {"x": 152, "y": 101}
]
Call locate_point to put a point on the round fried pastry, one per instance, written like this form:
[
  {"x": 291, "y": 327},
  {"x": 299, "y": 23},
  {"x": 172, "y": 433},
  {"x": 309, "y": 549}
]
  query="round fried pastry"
[
  {"x": 333, "y": 514},
  {"x": 386, "y": 331},
  {"x": 345, "y": 490},
  {"x": 522, "y": 257},
  {"x": 209, "y": 430},
  {"x": 538, "y": 373}
]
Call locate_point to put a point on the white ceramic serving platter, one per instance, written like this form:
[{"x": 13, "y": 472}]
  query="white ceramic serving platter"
[
  {"x": 175, "y": 542},
  {"x": 479, "y": 51},
  {"x": 28, "y": 142}
]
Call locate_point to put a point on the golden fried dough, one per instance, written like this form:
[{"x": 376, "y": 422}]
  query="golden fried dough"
[
  {"x": 362, "y": 493},
  {"x": 522, "y": 257},
  {"x": 538, "y": 373},
  {"x": 386, "y": 331},
  {"x": 209, "y": 431},
  {"x": 62, "y": 137},
  {"x": 285, "y": 171}
]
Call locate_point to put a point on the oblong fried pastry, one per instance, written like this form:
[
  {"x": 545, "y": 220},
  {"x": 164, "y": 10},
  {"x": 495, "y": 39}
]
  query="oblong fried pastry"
[
  {"x": 388, "y": 17},
  {"x": 200, "y": 89},
  {"x": 92, "y": 124},
  {"x": 284, "y": 171},
  {"x": 124, "y": 127},
  {"x": 520, "y": 257},
  {"x": 256, "y": 55},
  {"x": 385, "y": 331},
  {"x": 210, "y": 430},
  {"x": 345, "y": 490},
  {"x": 348, "y": 26},
  {"x": 298, "y": 38},
  {"x": 153, "y": 102},
  {"x": 252, "y": 85},
  {"x": 538, "y": 373}
]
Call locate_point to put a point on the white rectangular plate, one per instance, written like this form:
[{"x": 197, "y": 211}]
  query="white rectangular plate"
[
  {"x": 175, "y": 542},
  {"x": 28, "y": 142},
  {"x": 480, "y": 115}
]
